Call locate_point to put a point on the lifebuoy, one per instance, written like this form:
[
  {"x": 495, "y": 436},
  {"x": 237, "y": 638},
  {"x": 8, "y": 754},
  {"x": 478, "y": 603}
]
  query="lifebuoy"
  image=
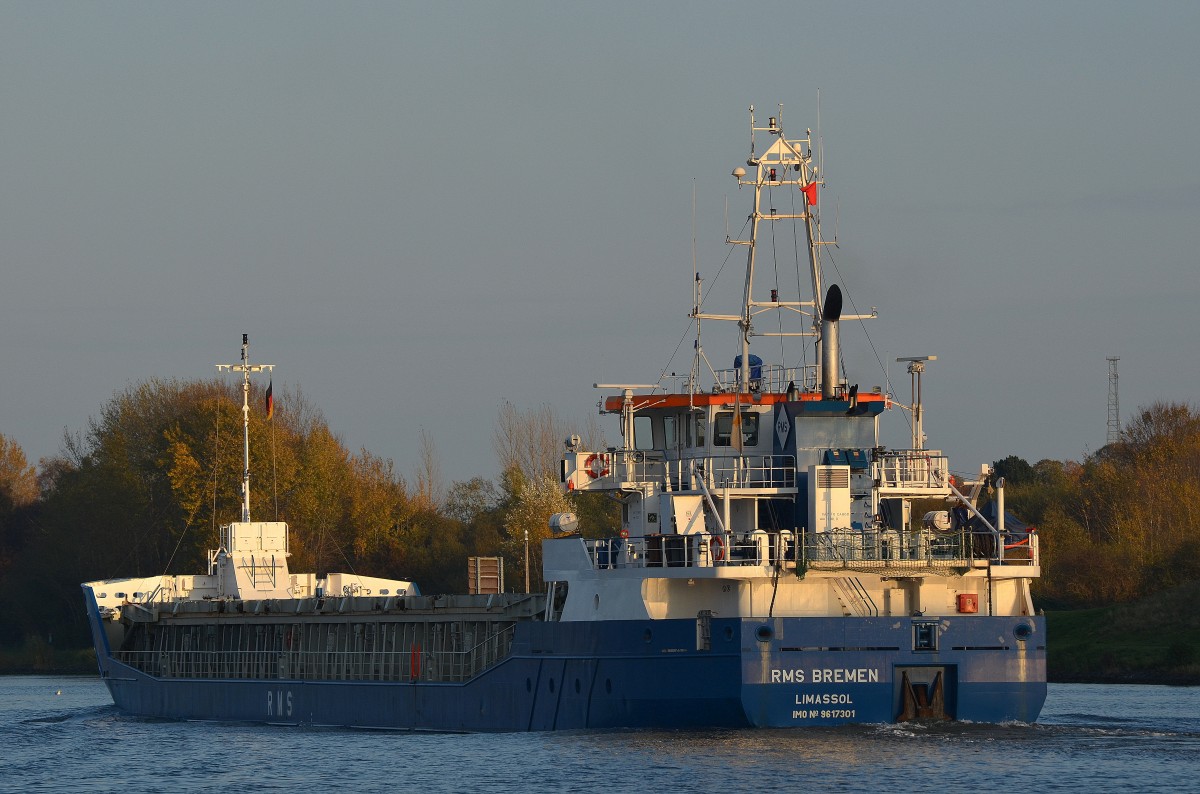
[
  {"x": 717, "y": 546},
  {"x": 1023, "y": 541},
  {"x": 624, "y": 533},
  {"x": 596, "y": 465}
]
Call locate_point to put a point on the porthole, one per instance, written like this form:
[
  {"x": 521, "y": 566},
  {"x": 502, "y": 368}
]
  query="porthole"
[
  {"x": 596, "y": 601},
  {"x": 764, "y": 633},
  {"x": 608, "y": 686},
  {"x": 528, "y": 685},
  {"x": 648, "y": 635},
  {"x": 729, "y": 633},
  {"x": 1023, "y": 631},
  {"x": 552, "y": 686},
  {"x": 577, "y": 686}
]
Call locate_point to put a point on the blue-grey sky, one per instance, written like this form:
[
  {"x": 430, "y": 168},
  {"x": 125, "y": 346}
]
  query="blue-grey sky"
[{"x": 419, "y": 210}]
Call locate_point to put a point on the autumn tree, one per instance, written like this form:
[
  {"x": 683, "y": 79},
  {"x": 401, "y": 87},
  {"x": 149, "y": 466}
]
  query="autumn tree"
[
  {"x": 480, "y": 508},
  {"x": 18, "y": 497},
  {"x": 145, "y": 488},
  {"x": 530, "y": 504},
  {"x": 18, "y": 480},
  {"x": 1125, "y": 522},
  {"x": 529, "y": 445}
]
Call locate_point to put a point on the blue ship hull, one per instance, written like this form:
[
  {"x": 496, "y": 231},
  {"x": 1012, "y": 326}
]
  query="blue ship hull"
[{"x": 784, "y": 672}]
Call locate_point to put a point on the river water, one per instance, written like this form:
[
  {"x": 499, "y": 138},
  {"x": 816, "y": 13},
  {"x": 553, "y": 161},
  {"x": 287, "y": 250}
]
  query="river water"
[{"x": 64, "y": 734}]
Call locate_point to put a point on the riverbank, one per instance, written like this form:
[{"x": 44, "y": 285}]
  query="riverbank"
[
  {"x": 1152, "y": 641},
  {"x": 36, "y": 656}
]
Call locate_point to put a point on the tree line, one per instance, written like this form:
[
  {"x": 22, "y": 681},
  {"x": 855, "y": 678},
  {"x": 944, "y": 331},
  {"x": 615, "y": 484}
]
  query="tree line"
[
  {"x": 144, "y": 489},
  {"x": 1122, "y": 524}
]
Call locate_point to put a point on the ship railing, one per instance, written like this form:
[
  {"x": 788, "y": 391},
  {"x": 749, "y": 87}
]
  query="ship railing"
[
  {"x": 415, "y": 662},
  {"x": 918, "y": 548},
  {"x": 638, "y": 466},
  {"x": 693, "y": 550},
  {"x": 715, "y": 471},
  {"x": 165, "y": 592},
  {"x": 743, "y": 471},
  {"x": 881, "y": 548},
  {"x": 869, "y": 549},
  {"x": 916, "y": 469},
  {"x": 767, "y": 378},
  {"x": 463, "y": 665}
]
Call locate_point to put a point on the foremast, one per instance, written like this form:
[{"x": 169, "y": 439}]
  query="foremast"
[
  {"x": 245, "y": 368},
  {"x": 251, "y": 559}
]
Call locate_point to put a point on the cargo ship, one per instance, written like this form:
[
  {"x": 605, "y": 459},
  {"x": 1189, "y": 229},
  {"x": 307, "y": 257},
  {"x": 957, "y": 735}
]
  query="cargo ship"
[{"x": 776, "y": 564}]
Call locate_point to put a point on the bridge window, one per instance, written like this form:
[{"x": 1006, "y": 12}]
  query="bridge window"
[
  {"x": 694, "y": 430},
  {"x": 643, "y": 433},
  {"x": 670, "y": 432},
  {"x": 723, "y": 429}
]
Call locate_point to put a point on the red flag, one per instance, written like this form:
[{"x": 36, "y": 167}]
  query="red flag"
[
  {"x": 270, "y": 400},
  {"x": 810, "y": 193}
]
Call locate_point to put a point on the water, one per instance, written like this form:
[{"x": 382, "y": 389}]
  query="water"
[{"x": 64, "y": 734}]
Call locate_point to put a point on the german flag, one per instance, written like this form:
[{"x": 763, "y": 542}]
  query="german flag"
[{"x": 270, "y": 399}]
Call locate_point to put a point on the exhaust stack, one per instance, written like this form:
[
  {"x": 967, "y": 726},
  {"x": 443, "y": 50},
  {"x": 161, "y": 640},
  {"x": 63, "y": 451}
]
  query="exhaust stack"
[{"x": 831, "y": 312}]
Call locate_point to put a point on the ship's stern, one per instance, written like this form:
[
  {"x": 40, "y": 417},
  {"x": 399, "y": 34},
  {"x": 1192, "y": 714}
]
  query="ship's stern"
[{"x": 830, "y": 671}]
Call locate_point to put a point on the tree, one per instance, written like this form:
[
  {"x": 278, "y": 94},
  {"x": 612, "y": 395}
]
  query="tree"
[
  {"x": 430, "y": 489},
  {"x": 18, "y": 480},
  {"x": 532, "y": 440},
  {"x": 18, "y": 498},
  {"x": 530, "y": 506},
  {"x": 145, "y": 488},
  {"x": 1014, "y": 470},
  {"x": 1125, "y": 522},
  {"x": 466, "y": 501}
]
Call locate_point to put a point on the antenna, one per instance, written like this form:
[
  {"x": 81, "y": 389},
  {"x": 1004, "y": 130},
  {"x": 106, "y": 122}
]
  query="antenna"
[
  {"x": 837, "y": 213},
  {"x": 751, "y": 160},
  {"x": 694, "y": 227},
  {"x": 820, "y": 149},
  {"x": 916, "y": 367},
  {"x": 1114, "y": 404},
  {"x": 695, "y": 373},
  {"x": 245, "y": 368}
]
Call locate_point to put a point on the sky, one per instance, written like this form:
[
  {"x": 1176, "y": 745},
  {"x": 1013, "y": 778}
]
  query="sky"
[{"x": 418, "y": 211}]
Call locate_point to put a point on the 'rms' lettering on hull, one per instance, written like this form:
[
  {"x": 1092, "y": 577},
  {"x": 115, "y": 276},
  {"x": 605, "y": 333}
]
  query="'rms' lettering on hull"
[{"x": 279, "y": 704}]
